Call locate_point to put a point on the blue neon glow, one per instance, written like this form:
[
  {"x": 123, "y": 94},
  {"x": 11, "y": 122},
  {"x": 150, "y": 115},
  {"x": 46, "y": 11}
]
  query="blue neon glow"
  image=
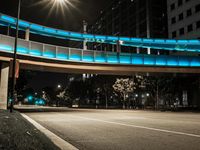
[
  {"x": 62, "y": 56},
  {"x": 184, "y": 62},
  {"x": 182, "y": 41},
  {"x": 159, "y": 41},
  {"x": 137, "y": 60},
  {"x": 195, "y": 62},
  {"x": 136, "y": 40},
  {"x": 171, "y": 41},
  {"x": 149, "y": 60},
  {"x": 100, "y": 59},
  {"x": 36, "y": 27},
  {"x": 6, "y": 47},
  {"x": 161, "y": 61},
  {"x": 63, "y": 33},
  {"x": 75, "y": 57},
  {"x": 49, "y": 54},
  {"x": 24, "y": 24},
  {"x": 99, "y": 37},
  {"x": 35, "y": 52},
  {"x": 112, "y": 38},
  {"x": 88, "y": 58},
  {"x": 172, "y": 61},
  {"x": 22, "y": 50},
  {"x": 125, "y": 60},
  {"x": 49, "y": 30},
  {"x": 88, "y": 36},
  {"x": 76, "y": 34},
  {"x": 126, "y": 39},
  {"x": 112, "y": 58},
  {"x": 194, "y": 41},
  {"x": 7, "y": 18},
  {"x": 148, "y": 40}
]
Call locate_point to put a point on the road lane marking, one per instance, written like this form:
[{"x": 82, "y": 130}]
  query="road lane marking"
[
  {"x": 62, "y": 144},
  {"x": 142, "y": 127}
]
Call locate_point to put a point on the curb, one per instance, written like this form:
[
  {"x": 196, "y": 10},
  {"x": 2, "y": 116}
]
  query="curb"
[{"x": 62, "y": 144}]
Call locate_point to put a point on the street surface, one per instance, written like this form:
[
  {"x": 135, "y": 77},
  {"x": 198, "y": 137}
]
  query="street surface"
[{"x": 123, "y": 129}]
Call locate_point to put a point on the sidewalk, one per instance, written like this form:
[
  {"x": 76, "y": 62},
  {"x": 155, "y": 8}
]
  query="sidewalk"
[{"x": 18, "y": 134}]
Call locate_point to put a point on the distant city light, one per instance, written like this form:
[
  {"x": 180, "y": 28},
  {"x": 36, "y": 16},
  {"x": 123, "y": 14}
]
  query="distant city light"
[
  {"x": 30, "y": 98},
  {"x": 59, "y": 86},
  {"x": 148, "y": 94}
]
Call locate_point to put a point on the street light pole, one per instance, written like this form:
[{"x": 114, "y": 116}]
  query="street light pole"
[{"x": 15, "y": 57}]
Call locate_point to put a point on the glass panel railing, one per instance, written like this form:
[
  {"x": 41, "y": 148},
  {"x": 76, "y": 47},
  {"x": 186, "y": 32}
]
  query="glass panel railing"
[
  {"x": 125, "y": 58},
  {"x": 75, "y": 54},
  {"x": 36, "y": 49},
  {"x": 100, "y": 57},
  {"x": 62, "y": 53},
  {"x": 88, "y": 56},
  {"x": 112, "y": 57}
]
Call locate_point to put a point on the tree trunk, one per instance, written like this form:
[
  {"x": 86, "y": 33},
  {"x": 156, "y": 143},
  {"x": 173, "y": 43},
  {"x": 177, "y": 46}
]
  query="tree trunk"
[{"x": 124, "y": 107}]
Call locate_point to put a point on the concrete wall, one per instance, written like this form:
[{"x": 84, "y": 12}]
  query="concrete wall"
[{"x": 4, "y": 76}]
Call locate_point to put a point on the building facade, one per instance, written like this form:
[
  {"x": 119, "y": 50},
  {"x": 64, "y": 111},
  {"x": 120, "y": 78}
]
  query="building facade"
[
  {"x": 132, "y": 18},
  {"x": 183, "y": 19}
]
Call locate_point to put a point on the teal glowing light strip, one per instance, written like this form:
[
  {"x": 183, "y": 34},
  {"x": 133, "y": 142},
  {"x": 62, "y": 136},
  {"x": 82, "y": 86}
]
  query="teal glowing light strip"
[
  {"x": 192, "y": 45},
  {"x": 111, "y": 58}
]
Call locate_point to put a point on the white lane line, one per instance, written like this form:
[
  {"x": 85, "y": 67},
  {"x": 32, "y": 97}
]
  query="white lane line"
[
  {"x": 62, "y": 144},
  {"x": 142, "y": 127}
]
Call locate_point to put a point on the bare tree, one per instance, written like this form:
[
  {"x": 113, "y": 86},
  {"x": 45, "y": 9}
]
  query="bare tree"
[{"x": 123, "y": 87}]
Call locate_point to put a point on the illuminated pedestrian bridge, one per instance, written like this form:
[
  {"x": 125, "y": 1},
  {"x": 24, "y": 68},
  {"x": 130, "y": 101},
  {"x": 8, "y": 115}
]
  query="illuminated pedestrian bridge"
[
  {"x": 116, "y": 62},
  {"x": 192, "y": 45}
]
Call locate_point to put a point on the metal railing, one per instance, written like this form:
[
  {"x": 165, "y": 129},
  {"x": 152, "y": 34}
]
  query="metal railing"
[{"x": 47, "y": 51}]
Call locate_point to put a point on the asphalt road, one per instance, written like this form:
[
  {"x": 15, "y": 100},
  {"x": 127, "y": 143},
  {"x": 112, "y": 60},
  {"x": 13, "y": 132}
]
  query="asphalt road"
[{"x": 123, "y": 129}]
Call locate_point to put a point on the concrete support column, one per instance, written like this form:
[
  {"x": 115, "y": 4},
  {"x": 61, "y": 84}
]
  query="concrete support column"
[
  {"x": 4, "y": 76},
  {"x": 27, "y": 34}
]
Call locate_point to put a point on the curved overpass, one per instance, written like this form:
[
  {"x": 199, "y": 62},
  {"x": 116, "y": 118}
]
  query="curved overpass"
[
  {"x": 39, "y": 56},
  {"x": 192, "y": 45}
]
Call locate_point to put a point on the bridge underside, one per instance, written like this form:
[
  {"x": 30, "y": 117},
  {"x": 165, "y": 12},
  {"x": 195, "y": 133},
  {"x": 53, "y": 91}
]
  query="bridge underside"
[{"x": 31, "y": 63}]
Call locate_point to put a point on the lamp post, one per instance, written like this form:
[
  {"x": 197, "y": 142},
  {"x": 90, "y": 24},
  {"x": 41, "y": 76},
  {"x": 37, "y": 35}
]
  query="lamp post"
[{"x": 15, "y": 57}]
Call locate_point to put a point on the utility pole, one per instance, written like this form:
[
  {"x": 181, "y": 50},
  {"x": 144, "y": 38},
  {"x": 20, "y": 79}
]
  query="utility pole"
[
  {"x": 85, "y": 32},
  {"x": 15, "y": 58}
]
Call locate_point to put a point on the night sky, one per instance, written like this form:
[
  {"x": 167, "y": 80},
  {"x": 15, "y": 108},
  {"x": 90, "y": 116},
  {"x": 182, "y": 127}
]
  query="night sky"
[{"x": 71, "y": 20}]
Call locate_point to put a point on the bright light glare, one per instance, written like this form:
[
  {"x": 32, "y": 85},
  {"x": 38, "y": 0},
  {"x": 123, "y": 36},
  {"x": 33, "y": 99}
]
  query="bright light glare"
[{"x": 58, "y": 6}]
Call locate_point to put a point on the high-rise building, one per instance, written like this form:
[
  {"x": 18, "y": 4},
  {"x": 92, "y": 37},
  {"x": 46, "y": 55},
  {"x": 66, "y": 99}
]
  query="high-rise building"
[
  {"x": 132, "y": 18},
  {"x": 184, "y": 19}
]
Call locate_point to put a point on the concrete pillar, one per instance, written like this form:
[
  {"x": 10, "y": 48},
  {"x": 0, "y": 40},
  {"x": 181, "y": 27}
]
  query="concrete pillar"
[
  {"x": 27, "y": 34},
  {"x": 4, "y": 85}
]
